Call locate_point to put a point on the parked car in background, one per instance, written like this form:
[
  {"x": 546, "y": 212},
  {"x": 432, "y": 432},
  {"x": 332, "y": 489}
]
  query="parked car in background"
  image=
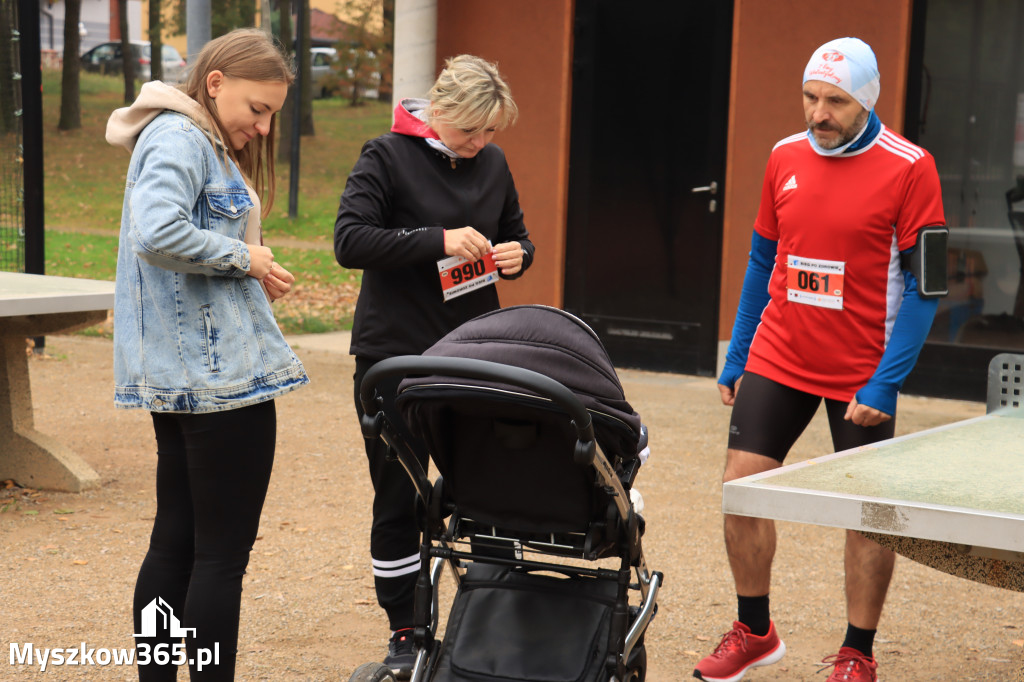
[
  {"x": 106, "y": 58},
  {"x": 330, "y": 78},
  {"x": 321, "y": 74}
]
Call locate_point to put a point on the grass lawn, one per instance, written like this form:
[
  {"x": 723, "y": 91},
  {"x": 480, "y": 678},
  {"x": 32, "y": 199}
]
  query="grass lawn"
[{"x": 84, "y": 189}]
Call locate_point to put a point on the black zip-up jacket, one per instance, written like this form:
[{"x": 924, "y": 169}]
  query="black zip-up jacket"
[{"x": 398, "y": 200}]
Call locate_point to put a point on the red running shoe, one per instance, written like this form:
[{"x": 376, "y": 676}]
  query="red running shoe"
[
  {"x": 738, "y": 652},
  {"x": 851, "y": 666}
]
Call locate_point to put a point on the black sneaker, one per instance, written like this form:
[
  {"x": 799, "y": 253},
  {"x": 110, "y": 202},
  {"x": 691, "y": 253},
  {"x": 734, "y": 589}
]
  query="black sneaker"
[{"x": 400, "y": 656}]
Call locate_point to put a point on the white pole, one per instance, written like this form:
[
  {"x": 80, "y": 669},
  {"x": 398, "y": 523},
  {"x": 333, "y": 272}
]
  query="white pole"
[
  {"x": 197, "y": 27},
  {"x": 265, "y": 18},
  {"x": 415, "y": 48}
]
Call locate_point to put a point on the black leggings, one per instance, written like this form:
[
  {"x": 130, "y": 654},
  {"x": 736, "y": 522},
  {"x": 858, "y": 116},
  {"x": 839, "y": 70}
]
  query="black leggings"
[
  {"x": 212, "y": 474},
  {"x": 768, "y": 417}
]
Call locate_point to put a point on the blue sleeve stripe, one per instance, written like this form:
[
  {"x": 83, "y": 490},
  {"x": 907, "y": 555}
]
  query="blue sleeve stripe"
[
  {"x": 913, "y": 322},
  {"x": 753, "y": 299}
]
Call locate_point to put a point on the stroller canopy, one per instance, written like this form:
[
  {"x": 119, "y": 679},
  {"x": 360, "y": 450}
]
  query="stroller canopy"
[{"x": 556, "y": 344}]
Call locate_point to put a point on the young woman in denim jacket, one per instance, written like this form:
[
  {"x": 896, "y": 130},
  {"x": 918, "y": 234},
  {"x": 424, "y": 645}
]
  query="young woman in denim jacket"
[{"x": 195, "y": 340}]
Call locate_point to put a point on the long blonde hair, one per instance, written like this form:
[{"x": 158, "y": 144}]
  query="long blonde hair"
[
  {"x": 471, "y": 95},
  {"x": 249, "y": 54}
]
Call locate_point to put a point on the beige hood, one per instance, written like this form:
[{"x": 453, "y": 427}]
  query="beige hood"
[{"x": 127, "y": 123}]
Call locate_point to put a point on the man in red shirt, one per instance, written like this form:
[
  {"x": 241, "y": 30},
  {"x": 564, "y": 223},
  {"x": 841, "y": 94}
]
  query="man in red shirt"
[{"x": 831, "y": 310}]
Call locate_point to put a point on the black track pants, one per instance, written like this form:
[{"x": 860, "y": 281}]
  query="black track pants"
[{"x": 394, "y": 536}]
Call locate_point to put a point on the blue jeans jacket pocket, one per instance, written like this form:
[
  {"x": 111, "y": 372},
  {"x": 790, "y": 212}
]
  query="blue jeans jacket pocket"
[{"x": 227, "y": 211}]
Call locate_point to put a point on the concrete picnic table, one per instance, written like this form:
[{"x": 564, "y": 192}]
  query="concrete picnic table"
[{"x": 36, "y": 305}]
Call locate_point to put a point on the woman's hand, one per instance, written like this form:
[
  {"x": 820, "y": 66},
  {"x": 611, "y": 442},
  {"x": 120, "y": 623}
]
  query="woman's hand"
[
  {"x": 508, "y": 256},
  {"x": 466, "y": 242},
  {"x": 278, "y": 282},
  {"x": 261, "y": 258}
]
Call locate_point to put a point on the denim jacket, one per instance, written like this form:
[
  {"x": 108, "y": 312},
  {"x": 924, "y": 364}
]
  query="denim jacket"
[{"x": 192, "y": 332}]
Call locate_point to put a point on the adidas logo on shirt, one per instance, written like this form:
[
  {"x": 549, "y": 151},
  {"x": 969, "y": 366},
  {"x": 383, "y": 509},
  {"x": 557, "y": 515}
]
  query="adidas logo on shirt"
[{"x": 790, "y": 184}]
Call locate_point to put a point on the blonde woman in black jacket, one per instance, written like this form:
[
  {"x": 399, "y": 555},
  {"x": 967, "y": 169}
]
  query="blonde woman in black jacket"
[{"x": 433, "y": 189}]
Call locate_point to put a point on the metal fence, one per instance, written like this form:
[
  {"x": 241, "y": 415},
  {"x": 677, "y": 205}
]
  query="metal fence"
[{"x": 12, "y": 151}]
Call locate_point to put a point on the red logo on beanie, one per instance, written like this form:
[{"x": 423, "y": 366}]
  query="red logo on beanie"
[{"x": 832, "y": 56}]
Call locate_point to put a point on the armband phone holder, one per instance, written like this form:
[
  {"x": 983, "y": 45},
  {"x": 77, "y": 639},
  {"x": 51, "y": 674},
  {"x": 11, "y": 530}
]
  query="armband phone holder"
[{"x": 928, "y": 262}]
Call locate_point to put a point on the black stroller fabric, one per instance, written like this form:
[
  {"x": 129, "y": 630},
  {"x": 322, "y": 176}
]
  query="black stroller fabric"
[
  {"x": 558, "y": 345},
  {"x": 504, "y": 623},
  {"x": 506, "y": 457}
]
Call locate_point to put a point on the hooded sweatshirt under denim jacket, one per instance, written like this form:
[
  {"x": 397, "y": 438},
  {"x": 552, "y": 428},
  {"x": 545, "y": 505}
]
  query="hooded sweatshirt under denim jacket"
[{"x": 192, "y": 332}]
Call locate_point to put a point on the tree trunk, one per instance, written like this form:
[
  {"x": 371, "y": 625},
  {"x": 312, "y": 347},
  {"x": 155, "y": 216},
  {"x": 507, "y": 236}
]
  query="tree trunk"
[
  {"x": 387, "y": 56},
  {"x": 127, "y": 57},
  {"x": 156, "y": 42},
  {"x": 284, "y": 138},
  {"x": 70, "y": 99},
  {"x": 303, "y": 31}
]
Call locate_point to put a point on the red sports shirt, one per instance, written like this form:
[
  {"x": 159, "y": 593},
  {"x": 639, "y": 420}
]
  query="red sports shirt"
[{"x": 840, "y": 223}]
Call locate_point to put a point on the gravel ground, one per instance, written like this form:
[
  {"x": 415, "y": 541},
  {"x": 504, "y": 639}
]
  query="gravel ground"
[{"x": 69, "y": 561}]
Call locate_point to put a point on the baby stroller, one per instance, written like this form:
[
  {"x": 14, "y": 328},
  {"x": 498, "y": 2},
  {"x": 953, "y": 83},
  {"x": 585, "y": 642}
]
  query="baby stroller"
[{"x": 523, "y": 416}]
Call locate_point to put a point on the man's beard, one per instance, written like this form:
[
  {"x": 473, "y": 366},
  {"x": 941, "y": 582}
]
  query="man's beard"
[{"x": 845, "y": 137}]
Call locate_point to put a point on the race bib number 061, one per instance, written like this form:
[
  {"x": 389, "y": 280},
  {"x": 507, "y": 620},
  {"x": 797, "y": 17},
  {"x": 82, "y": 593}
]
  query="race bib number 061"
[
  {"x": 459, "y": 276},
  {"x": 815, "y": 282}
]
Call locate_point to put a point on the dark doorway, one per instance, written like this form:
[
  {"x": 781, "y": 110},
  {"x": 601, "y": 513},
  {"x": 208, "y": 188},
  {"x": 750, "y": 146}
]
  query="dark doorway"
[{"x": 647, "y": 162}]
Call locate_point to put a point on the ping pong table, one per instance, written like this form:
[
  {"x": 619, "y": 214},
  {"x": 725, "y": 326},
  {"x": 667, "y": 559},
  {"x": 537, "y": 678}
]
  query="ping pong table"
[
  {"x": 36, "y": 305},
  {"x": 951, "y": 497}
]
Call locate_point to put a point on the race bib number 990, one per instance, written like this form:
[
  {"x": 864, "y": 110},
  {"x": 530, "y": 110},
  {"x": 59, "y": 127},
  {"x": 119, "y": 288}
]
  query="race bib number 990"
[
  {"x": 815, "y": 282},
  {"x": 459, "y": 276}
]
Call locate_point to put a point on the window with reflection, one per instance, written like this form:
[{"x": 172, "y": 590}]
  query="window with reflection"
[{"x": 972, "y": 121}]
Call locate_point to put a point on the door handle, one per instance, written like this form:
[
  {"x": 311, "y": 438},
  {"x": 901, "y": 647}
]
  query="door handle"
[{"x": 712, "y": 188}]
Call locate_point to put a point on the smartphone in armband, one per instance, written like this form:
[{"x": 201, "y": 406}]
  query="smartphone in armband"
[{"x": 928, "y": 262}]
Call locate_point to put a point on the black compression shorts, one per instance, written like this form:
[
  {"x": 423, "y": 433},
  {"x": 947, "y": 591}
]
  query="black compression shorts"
[{"x": 768, "y": 417}]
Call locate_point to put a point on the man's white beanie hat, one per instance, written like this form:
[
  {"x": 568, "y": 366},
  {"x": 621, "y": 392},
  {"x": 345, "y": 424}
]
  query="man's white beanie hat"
[{"x": 849, "y": 64}]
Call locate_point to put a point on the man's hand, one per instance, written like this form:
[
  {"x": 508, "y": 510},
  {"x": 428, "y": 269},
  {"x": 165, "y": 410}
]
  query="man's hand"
[
  {"x": 862, "y": 415},
  {"x": 729, "y": 394}
]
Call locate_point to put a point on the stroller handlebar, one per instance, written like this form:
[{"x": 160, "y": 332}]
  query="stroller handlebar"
[{"x": 483, "y": 370}]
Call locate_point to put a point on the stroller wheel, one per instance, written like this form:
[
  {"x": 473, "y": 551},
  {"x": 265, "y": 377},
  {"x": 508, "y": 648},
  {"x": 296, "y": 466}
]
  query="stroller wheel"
[
  {"x": 373, "y": 672},
  {"x": 637, "y": 665}
]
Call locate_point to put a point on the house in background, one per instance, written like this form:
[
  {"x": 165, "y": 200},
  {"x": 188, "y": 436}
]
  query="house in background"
[{"x": 325, "y": 29}]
